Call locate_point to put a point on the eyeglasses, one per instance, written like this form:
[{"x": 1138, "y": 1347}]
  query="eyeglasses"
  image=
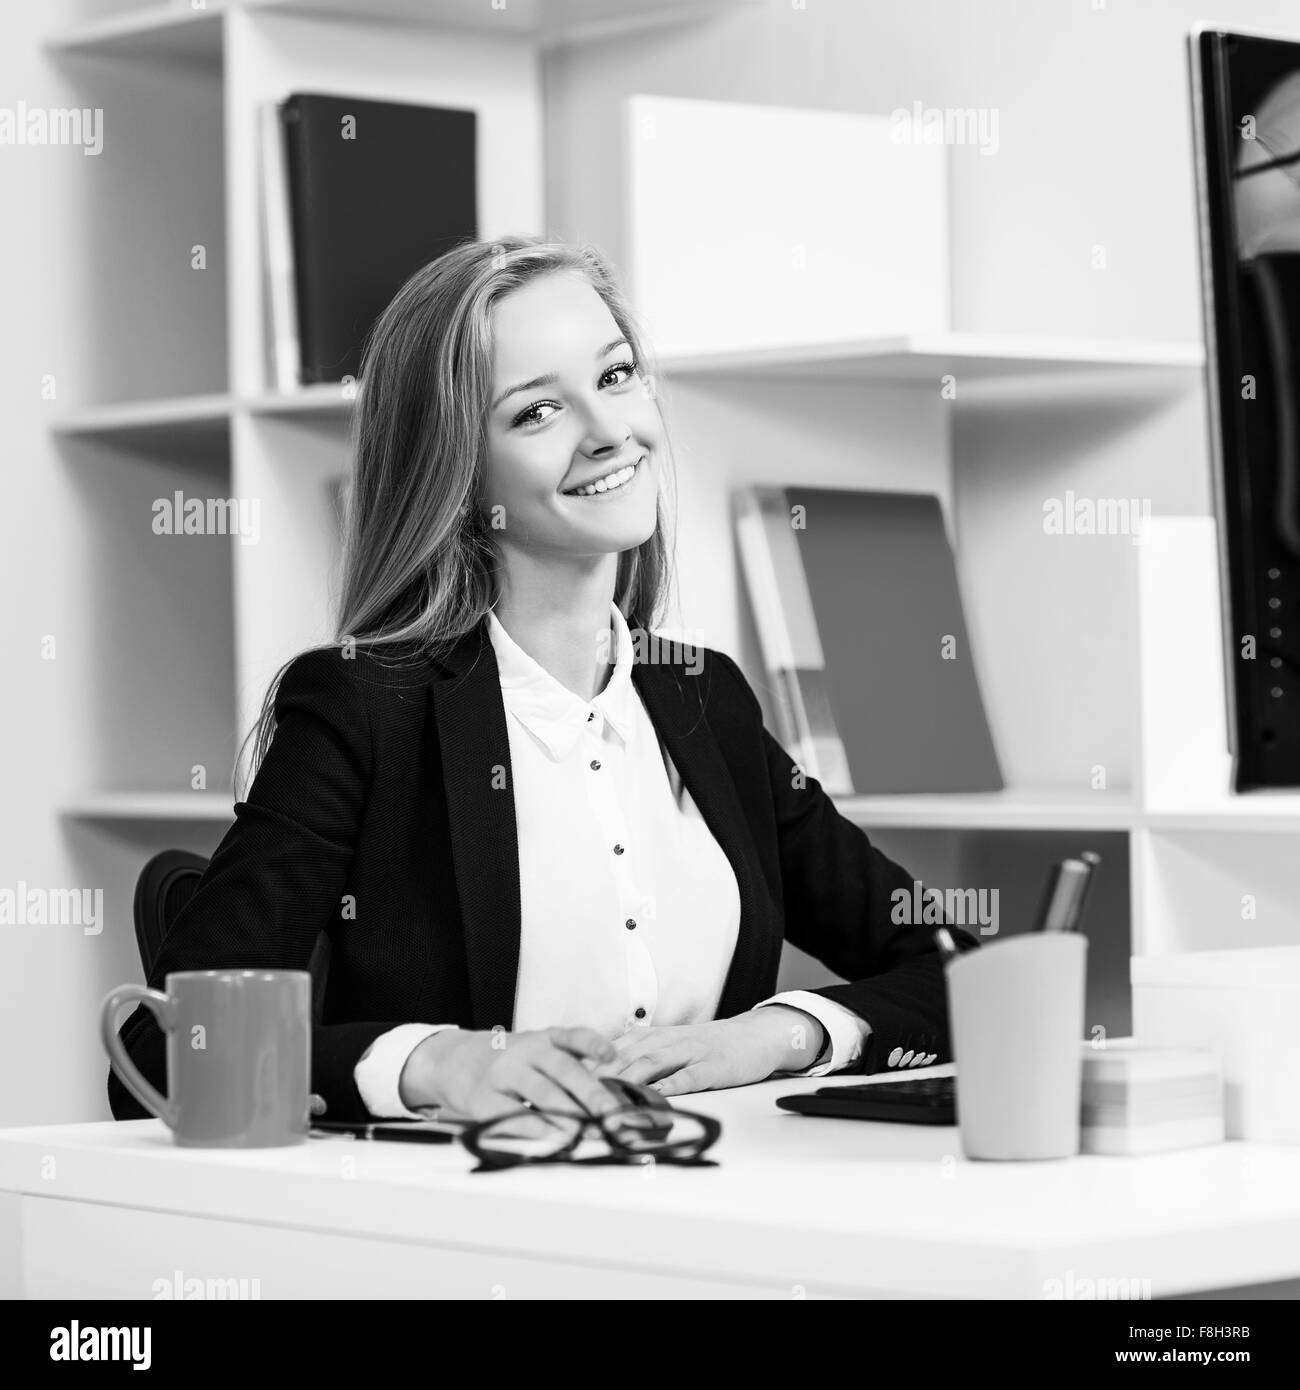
[{"x": 633, "y": 1134}]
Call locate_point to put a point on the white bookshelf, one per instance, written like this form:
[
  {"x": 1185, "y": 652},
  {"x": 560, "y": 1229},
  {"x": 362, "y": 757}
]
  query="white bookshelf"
[
  {"x": 1015, "y": 808},
  {"x": 158, "y": 32},
  {"x": 1072, "y": 664},
  {"x": 980, "y": 359},
  {"x": 177, "y": 428},
  {"x": 1088, "y": 649},
  {"x": 545, "y": 23},
  {"x": 988, "y": 361},
  {"x": 1253, "y": 813},
  {"x": 175, "y": 32},
  {"x": 169, "y": 391},
  {"x": 171, "y": 422},
  {"x": 1212, "y": 869},
  {"x": 324, "y": 401},
  {"x": 205, "y": 808}
]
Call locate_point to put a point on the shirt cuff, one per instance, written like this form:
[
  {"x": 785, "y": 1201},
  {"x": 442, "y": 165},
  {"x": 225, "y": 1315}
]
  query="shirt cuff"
[
  {"x": 846, "y": 1033},
  {"x": 378, "y": 1073}
]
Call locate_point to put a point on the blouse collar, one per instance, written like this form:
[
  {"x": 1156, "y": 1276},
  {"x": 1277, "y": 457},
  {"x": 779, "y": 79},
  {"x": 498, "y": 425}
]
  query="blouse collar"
[{"x": 550, "y": 711}]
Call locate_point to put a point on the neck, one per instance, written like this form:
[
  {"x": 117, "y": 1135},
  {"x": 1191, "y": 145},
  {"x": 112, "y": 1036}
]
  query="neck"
[{"x": 564, "y": 624}]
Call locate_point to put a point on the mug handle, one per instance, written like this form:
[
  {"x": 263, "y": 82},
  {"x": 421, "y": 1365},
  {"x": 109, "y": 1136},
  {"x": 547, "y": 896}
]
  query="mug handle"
[{"x": 163, "y": 1009}]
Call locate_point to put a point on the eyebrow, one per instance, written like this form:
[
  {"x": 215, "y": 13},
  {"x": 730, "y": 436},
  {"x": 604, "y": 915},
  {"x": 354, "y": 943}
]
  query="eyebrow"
[{"x": 551, "y": 377}]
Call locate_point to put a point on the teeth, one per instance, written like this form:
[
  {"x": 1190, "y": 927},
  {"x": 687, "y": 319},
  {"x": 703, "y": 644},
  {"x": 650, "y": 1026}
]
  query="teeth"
[{"x": 607, "y": 484}]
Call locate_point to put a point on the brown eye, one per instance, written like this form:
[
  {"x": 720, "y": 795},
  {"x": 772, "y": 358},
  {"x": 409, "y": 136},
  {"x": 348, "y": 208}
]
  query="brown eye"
[
  {"x": 529, "y": 416},
  {"x": 629, "y": 367}
]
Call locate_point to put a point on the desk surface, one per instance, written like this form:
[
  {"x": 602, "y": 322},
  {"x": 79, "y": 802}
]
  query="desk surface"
[{"x": 841, "y": 1206}]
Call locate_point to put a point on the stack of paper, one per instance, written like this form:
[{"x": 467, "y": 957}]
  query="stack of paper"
[{"x": 1143, "y": 1099}]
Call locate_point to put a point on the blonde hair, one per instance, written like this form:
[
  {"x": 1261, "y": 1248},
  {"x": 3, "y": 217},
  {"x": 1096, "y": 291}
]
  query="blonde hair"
[{"x": 419, "y": 561}]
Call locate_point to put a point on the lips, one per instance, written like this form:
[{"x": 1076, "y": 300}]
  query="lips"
[{"x": 608, "y": 473}]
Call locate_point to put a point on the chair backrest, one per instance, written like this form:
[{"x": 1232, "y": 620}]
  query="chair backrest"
[{"x": 166, "y": 883}]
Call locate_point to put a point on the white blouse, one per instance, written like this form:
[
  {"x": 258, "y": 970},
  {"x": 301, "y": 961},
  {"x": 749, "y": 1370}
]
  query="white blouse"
[{"x": 629, "y": 908}]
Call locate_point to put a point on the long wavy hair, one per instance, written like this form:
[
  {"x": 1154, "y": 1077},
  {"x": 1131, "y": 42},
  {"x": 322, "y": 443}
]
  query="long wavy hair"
[{"x": 420, "y": 563}]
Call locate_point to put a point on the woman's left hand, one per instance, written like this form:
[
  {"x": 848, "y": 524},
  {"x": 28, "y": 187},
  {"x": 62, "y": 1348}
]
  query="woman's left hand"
[{"x": 709, "y": 1056}]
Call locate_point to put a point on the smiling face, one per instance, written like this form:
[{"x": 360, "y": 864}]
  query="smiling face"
[{"x": 592, "y": 421}]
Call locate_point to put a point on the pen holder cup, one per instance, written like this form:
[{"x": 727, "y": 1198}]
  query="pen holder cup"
[{"x": 1017, "y": 1019}]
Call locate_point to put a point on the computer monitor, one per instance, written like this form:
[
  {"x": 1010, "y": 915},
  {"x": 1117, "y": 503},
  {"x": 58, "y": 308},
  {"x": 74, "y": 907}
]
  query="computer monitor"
[{"x": 1246, "y": 113}]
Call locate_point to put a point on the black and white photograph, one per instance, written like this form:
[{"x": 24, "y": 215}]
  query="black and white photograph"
[{"x": 653, "y": 655}]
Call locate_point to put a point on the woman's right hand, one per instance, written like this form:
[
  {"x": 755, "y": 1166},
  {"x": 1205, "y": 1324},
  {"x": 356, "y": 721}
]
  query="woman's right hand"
[{"x": 479, "y": 1075}]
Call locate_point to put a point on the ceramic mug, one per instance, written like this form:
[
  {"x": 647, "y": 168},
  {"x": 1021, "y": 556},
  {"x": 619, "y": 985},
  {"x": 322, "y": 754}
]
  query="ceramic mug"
[{"x": 238, "y": 1055}]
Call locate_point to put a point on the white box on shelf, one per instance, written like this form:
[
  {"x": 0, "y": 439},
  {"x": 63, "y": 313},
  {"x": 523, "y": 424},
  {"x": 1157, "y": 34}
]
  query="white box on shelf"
[
  {"x": 1183, "y": 757},
  {"x": 1243, "y": 1005},
  {"x": 765, "y": 226}
]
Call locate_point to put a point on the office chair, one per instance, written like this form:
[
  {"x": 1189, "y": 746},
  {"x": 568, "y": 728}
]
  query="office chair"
[{"x": 166, "y": 883}]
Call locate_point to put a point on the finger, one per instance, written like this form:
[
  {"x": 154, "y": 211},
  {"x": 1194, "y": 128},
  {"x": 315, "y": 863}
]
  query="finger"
[
  {"x": 641, "y": 1070},
  {"x": 629, "y": 1070},
  {"x": 602, "y": 1069},
  {"x": 583, "y": 1042},
  {"x": 620, "y": 1064},
  {"x": 540, "y": 1091},
  {"x": 633, "y": 1043},
  {"x": 682, "y": 1082},
  {"x": 492, "y": 1104},
  {"x": 585, "y": 1089}
]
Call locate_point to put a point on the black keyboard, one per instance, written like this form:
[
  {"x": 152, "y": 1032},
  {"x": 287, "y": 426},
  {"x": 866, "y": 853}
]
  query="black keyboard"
[
  {"x": 928, "y": 1100},
  {"x": 915, "y": 1091}
]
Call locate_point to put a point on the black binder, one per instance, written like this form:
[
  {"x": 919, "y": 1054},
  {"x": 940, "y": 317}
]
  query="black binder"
[{"x": 376, "y": 190}]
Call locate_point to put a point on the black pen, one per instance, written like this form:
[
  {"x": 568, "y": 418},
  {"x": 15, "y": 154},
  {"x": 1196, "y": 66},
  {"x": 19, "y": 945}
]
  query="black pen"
[
  {"x": 400, "y": 1131},
  {"x": 1090, "y": 861},
  {"x": 1061, "y": 907}
]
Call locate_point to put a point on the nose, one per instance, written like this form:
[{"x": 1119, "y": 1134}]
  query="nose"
[{"x": 606, "y": 431}]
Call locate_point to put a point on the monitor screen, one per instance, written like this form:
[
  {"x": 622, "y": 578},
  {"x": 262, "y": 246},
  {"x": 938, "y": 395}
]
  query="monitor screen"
[{"x": 1246, "y": 109}]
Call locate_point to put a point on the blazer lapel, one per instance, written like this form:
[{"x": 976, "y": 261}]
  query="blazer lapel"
[{"x": 475, "y": 743}]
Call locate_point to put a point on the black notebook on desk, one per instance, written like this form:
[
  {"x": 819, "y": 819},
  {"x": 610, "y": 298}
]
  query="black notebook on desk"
[{"x": 376, "y": 190}]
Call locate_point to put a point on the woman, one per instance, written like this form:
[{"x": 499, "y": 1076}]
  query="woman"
[{"x": 545, "y": 847}]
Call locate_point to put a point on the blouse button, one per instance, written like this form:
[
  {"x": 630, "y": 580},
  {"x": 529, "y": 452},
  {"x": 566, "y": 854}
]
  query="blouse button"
[
  {"x": 595, "y": 764},
  {"x": 640, "y": 1013},
  {"x": 630, "y": 924},
  {"x": 618, "y": 849},
  {"x": 591, "y": 716}
]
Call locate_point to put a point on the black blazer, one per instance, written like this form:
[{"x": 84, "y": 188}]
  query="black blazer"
[{"x": 378, "y": 789}]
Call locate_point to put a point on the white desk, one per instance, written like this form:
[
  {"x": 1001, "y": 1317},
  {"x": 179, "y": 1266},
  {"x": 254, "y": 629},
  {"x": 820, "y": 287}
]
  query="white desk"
[{"x": 801, "y": 1207}]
